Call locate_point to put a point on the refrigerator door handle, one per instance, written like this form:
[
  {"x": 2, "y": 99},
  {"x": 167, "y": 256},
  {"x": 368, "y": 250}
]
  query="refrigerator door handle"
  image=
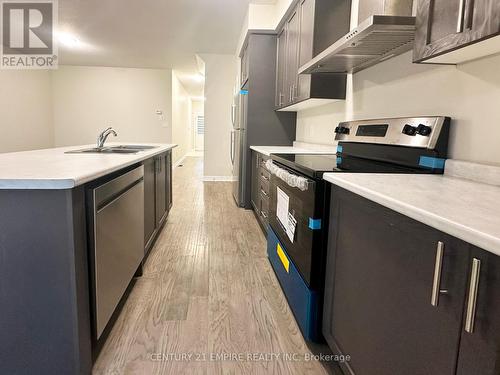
[
  {"x": 233, "y": 114},
  {"x": 232, "y": 147}
]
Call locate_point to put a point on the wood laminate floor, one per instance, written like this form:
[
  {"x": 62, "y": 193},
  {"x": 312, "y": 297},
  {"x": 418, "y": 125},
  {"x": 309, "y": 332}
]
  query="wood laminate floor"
[{"x": 208, "y": 297}]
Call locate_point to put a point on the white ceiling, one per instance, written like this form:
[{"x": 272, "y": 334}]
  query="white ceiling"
[{"x": 150, "y": 33}]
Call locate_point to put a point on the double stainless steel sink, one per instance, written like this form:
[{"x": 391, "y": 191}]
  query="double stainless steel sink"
[{"x": 122, "y": 149}]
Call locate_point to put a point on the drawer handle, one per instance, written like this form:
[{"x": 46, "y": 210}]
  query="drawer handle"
[
  {"x": 264, "y": 177},
  {"x": 263, "y": 214},
  {"x": 436, "y": 282},
  {"x": 472, "y": 302},
  {"x": 264, "y": 193}
]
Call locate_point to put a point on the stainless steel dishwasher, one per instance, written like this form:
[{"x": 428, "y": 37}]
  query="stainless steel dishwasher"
[{"x": 117, "y": 241}]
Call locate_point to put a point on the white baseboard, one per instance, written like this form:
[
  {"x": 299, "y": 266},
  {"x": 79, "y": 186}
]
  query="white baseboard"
[{"x": 219, "y": 178}]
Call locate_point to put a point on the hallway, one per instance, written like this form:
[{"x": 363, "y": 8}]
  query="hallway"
[{"x": 207, "y": 291}]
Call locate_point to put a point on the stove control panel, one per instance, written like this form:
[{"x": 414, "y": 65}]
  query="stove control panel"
[{"x": 420, "y": 132}]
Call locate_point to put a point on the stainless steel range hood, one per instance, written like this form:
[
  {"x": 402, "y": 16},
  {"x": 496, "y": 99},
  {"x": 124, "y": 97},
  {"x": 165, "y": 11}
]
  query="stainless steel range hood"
[{"x": 376, "y": 39}]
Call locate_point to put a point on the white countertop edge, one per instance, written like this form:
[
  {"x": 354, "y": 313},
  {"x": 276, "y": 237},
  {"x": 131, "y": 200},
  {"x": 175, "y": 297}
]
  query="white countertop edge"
[
  {"x": 145, "y": 155},
  {"x": 70, "y": 183},
  {"x": 465, "y": 233},
  {"x": 38, "y": 184}
]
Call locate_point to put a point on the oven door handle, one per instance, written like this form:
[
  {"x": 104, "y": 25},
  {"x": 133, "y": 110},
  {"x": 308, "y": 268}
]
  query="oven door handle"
[{"x": 290, "y": 179}]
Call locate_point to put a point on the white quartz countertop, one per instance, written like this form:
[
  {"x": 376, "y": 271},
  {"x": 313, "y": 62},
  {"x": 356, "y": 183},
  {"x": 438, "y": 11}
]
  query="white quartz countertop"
[
  {"x": 55, "y": 169},
  {"x": 464, "y": 209},
  {"x": 268, "y": 150}
]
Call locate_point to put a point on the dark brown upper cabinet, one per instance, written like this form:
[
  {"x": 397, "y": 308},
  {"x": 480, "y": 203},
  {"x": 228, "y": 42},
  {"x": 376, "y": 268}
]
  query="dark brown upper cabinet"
[
  {"x": 309, "y": 29},
  {"x": 281, "y": 69},
  {"x": 448, "y": 31},
  {"x": 244, "y": 67}
]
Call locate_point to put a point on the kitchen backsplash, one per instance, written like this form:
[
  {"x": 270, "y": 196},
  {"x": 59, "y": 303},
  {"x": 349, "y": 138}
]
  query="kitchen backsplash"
[{"x": 469, "y": 93}]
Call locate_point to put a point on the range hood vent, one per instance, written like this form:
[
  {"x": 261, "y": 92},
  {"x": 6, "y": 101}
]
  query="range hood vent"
[{"x": 376, "y": 39}]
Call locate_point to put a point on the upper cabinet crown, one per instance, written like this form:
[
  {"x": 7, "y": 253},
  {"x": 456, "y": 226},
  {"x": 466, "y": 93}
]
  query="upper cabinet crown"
[
  {"x": 311, "y": 27},
  {"x": 445, "y": 27}
]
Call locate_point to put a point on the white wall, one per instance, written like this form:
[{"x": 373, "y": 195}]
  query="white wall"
[
  {"x": 220, "y": 73},
  {"x": 88, "y": 99},
  {"x": 469, "y": 93},
  {"x": 181, "y": 120},
  {"x": 25, "y": 111},
  {"x": 263, "y": 17}
]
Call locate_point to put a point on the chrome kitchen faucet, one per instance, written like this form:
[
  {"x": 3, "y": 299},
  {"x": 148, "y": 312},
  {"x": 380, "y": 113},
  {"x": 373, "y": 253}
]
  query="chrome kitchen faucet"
[{"x": 104, "y": 135}]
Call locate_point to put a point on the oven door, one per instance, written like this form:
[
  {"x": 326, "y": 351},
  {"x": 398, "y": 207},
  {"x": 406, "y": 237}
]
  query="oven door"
[{"x": 301, "y": 206}]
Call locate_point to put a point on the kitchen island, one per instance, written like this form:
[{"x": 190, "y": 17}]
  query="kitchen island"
[{"x": 47, "y": 282}]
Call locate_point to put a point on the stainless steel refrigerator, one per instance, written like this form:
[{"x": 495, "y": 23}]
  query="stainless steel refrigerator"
[{"x": 238, "y": 142}]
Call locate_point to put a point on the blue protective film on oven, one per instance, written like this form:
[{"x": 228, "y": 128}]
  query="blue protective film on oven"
[
  {"x": 244, "y": 92},
  {"x": 430, "y": 162},
  {"x": 340, "y": 149},
  {"x": 314, "y": 224}
]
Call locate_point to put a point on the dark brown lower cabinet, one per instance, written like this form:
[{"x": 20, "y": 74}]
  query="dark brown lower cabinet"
[
  {"x": 161, "y": 198},
  {"x": 380, "y": 276},
  {"x": 480, "y": 344},
  {"x": 168, "y": 182},
  {"x": 149, "y": 200},
  {"x": 260, "y": 189},
  {"x": 157, "y": 195},
  {"x": 255, "y": 196}
]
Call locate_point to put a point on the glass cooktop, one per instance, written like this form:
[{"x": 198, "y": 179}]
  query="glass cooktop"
[{"x": 314, "y": 165}]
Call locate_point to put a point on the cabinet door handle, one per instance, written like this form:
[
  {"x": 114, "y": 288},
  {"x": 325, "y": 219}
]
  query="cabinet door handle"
[
  {"x": 436, "y": 282},
  {"x": 264, "y": 193},
  {"x": 461, "y": 16},
  {"x": 472, "y": 301},
  {"x": 263, "y": 214},
  {"x": 469, "y": 14}
]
